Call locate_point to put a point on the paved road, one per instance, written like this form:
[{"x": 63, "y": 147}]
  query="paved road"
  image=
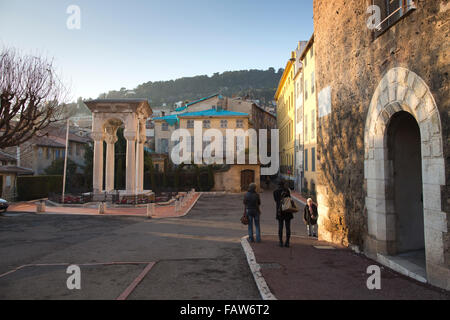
[{"x": 197, "y": 257}]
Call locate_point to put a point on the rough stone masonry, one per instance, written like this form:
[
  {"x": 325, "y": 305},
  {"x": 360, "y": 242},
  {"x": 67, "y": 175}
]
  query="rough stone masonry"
[{"x": 369, "y": 78}]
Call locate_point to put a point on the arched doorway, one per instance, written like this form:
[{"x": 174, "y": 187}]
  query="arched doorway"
[
  {"x": 403, "y": 115},
  {"x": 404, "y": 153},
  {"x": 247, "y": 177}
]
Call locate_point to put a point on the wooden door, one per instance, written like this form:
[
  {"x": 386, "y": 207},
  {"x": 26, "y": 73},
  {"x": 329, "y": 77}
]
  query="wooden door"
[{"x": 247, "y": 177}]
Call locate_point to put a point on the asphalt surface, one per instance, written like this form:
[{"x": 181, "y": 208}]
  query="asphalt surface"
[{"x": 197, "y": 257}]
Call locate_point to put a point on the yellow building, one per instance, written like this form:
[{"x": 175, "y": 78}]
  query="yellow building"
[
  {"x": 285, "y": 98},
  {"x": 309, "y": 118},
  {"x": 234, "y": 178}
]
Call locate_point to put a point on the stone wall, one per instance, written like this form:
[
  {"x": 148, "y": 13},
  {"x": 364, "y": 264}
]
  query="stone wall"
[{"x": 353, "y": 63}]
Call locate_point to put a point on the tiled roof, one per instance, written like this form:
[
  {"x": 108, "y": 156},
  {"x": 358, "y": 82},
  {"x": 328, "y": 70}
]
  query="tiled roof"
[
  {"x": 213, "y": 113},
  {"x": 46, "y": 142},
  {"x": 15, "y": 169},
  {"x": 6, "y": 157},
  {"x": 172, "y": 119}
]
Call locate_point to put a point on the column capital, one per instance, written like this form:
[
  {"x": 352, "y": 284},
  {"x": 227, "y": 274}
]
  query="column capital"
[
  {"x": 130, "y": 135},
  {"x": 142, "y": 138},
  {"x": 97, "y": 136},
  {"x": 110, "y": 139}
]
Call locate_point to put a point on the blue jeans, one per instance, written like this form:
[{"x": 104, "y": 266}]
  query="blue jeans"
[{"x": 254, "y": 218}]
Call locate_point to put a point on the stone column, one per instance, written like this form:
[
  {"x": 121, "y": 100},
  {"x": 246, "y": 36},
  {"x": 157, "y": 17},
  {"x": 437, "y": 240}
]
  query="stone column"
[
  {"x": 131, "y": 161},
  {"x": 110, "y": 140},
  {"x": 140, "y": 162},
  {"x": 98, "y": 138}
]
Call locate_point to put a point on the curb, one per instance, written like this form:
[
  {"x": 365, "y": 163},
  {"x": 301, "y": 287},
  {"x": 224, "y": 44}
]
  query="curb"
[
  {"x": 187, "y": 211},
  {"x": 255, "y": 268},
  {"x": 120, "y": 215}
]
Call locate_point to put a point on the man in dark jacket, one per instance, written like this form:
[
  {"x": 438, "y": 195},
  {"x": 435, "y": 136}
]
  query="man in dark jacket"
[
  {"x": 284, "y": 218},
  {"x": 310, "y": 216},
  {"x": 252, "y": 203}
]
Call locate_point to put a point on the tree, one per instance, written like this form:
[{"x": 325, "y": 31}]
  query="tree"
[
  {"x": 30, "y": 97},
  {"x": 57, "y": 168}
]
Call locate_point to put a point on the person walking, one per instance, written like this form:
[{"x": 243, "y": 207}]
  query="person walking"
[
  {"x": 252, "y": 202},
  {"x": 310, "y": 216},
  {"x": 284, "y": 218}
]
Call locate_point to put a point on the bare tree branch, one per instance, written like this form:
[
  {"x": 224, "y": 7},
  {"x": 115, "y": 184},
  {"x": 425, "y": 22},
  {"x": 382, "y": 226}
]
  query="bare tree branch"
[{"x": 31, "y": 97}]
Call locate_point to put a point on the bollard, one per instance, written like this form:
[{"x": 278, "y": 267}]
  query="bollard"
[
  {"x": 40, "y": 206},
  {"x": 150, "y": 210},
  {"x": 101, "y": 208}
]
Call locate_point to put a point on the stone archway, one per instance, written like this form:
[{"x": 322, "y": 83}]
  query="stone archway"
[
  {"x": 403, "y": 90},
  {"x": 108, "y": 114}
]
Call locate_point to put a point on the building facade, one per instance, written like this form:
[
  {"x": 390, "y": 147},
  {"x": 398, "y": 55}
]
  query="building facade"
[
  {"x": 309, "y": 120},
  {"x": 286, "y": 120},
  {"x": 298, "y": 84},
  {"x": 383, "y": 134}
]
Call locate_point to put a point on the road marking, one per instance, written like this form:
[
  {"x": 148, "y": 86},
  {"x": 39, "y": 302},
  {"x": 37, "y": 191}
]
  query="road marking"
[
  {"x": 68, "y": 264},
  {"x": 136, "y": 282}
]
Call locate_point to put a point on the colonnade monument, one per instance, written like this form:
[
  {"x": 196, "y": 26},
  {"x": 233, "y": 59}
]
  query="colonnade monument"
[{"x": 108, "y": 115}]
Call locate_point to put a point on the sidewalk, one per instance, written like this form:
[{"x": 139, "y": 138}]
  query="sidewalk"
[
  {"x": 304, "y": 272},
  {"x": 160, "y": 212}
]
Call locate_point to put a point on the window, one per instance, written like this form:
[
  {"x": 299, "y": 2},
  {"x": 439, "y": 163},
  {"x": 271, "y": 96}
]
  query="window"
[
  {"x": 78, "y": 150},
  {"x": 206, "y": 124},
  {"x": 164, "y": 146},
  {"x": 49, "y": 154},
  {"x": 165, "y": 126},
  {"x": 313, "y": 159},
  {"x": 306, "y": 127},
  {"x": 306, "y": 60},
  {"x": 224, "y": 123},
  {"x": 391, "y": 12},
  {"x": 190, "y": 124},
  {"x": 40, "y": 152},
  {"x": 306, "y": 89},
  {"x": 8, "y": 181},
  {"x": 311, "y": 53},
  {"x": 306, "y": 160},
  {"x": 239, "y": 123},
  {"x": 57, "y": 154},
  {"x": 313, "y": 81},
  {"x": 313, "y": 124}
]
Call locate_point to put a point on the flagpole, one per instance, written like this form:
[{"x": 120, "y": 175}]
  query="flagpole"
[{"x": 65, "y": 163}]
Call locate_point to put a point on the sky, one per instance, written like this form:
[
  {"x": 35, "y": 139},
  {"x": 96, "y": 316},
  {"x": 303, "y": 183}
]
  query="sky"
[{"x": 126, "y": 43}]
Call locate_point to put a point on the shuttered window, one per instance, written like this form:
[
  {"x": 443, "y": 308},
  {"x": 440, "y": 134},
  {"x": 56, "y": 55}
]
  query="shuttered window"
[{"x": 391, "y": 12}]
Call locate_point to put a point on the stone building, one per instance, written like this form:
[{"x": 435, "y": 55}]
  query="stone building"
[
  {"x": 383, "y": 131},
  {"x": 38, "y": 153},
  {"x": 9, "y": 170},
  {"x": 234, "y": 177}
]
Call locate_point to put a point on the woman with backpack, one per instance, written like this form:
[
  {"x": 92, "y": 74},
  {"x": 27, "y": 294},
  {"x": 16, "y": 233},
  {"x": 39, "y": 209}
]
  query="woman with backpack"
[{"x": 284, "y": 217}]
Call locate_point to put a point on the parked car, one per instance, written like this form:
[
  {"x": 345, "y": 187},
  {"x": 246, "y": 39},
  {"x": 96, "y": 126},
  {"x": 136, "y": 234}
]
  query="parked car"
[{"x": 3, "y": 205}]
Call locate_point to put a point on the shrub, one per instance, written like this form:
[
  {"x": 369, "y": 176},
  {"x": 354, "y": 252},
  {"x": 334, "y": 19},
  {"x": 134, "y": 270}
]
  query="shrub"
[{"x": 38, "y": 187}]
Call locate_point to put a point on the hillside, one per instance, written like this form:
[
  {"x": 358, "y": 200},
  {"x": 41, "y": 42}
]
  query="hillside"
[{"x": 257, "y": 84}]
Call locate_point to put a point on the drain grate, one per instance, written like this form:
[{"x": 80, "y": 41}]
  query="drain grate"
[
  {"x": 271, "y": 266},
  {"x": 325, "y": 247}
]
